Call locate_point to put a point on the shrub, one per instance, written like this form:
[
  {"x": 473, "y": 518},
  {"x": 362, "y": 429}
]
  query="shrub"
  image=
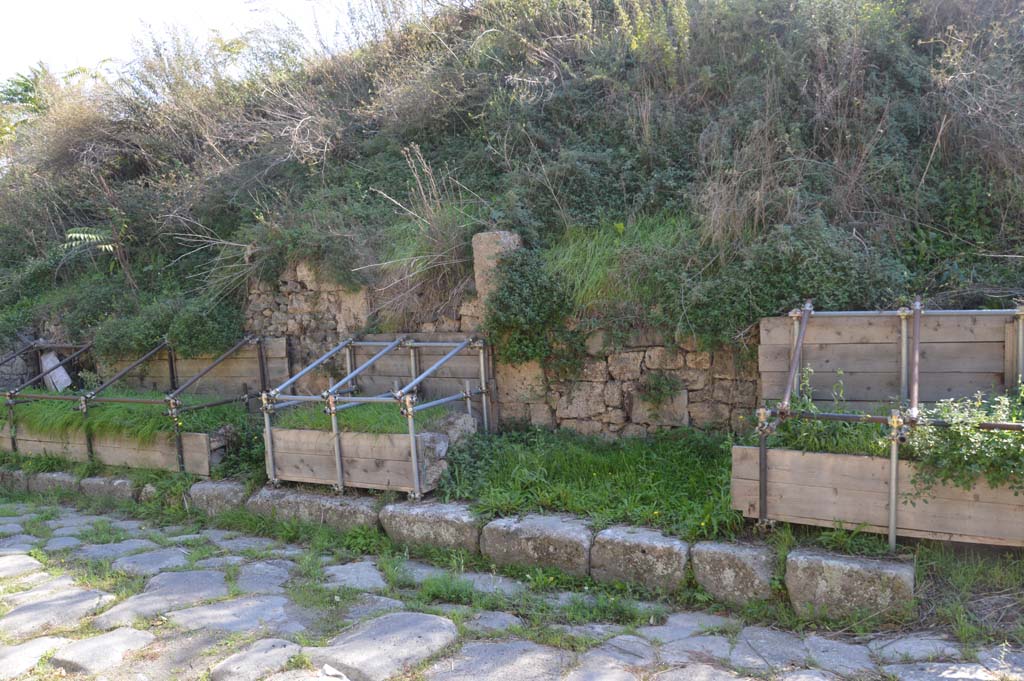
[
  {"x": 780, "y": 270},
  {"x": 526, "y": 315},
  {"x": 206, "y": 327},
  {"x": 129, "y": 337}
]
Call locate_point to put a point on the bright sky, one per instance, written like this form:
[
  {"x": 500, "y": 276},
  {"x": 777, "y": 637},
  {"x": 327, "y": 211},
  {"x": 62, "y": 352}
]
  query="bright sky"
[{"x": 69, "y": 33}]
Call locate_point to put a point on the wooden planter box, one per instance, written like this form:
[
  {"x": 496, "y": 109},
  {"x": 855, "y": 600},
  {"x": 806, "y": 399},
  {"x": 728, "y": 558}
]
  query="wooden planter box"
[
  {"x": 201, "y": 450},
  {"x": 812, "y": 488},
  {"x": 370, "y": 461}
]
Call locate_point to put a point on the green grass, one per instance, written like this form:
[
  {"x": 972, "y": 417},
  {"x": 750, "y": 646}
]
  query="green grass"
[
  {"x": 367, "y": 418},
  {"x": 140, "y": 422},
  {"x": 677, "y": 481}
]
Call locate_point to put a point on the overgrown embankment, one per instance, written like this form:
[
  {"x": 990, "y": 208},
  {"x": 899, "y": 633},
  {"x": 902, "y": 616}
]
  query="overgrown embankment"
[{"x": 689, "y": 166}]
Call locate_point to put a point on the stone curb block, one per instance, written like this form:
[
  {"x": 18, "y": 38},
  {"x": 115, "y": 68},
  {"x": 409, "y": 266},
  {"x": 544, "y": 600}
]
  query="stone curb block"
[
  {"x": 556, "y": 541},
  {"x": 116, "y": 488},
  {"x": 734, "y": 573},
  {"x": 48, "y": 482},
  {"x": 215, "y": 497},
  {"x": 449, "y": 526},
  {"x": 342, "y": 513},
  {"x": 15, "y": 480},
  {"x": 639, "y": 555},
  {"x": 821, "y": 583}
]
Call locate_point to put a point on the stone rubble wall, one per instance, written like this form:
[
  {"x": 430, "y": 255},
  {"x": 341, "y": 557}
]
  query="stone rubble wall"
[
  {"x": 717, "y": 388},
  {"x": 19, "y": 369}
]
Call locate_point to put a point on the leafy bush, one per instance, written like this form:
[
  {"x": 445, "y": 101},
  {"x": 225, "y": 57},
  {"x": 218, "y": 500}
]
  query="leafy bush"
[
  {"x": 780, "y": 270},
  {"x": 129, "y": 337},
  {"x": 963, "y": 454},
  {"x": 206, "y": 327},
  {"x": 526, "y": 315}
]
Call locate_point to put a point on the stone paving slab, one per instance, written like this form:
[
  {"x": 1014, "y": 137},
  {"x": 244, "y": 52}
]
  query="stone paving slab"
[
  {"x": 219, "y": 562},
  {"x": 19, "y": 659},
  {"x": 264, "y": 577},
  {"x": 846, "y": 659},
  {"x": 249, "y": 614},
  {"x": 1003, "y": 660},
  {"x": 914, "y": 648},
  {"x": 62, "y": 544},
  {"x": 152, "y": 562},
  {"x": 502, "y": 661},
  {"x": 115, "y": 550},
  {"x": 256, "y": 661},
  {"x": 65, "y": 609},
  {"x": 763, "y": 649},
  {"x": 15, "y": 541},
  {"x": 381, "y": 648},
  {"x": 700, "y": 672},
  {"x": 14, "y": 566},
  {"x": 165, "y": 592},
  {"x": 362, "y": 575},
  {"x": 47, "y": 589},
  {"x": 493, "y": 622},
  {"x": 371, "y": 605},
  {"x": 685, "y": 624},
  {"x": 696, "y": 649},
  {"x": 936, "y": 671},
  {"x": 99, "y": 653},
  {"x": 10, "y": 528}
]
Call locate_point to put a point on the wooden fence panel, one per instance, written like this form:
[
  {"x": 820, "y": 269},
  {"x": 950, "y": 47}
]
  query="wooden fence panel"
[
  {"x": 813, "y": 488},
  {"x": 232, "y": 377},
  {"x": 960, "y": 356}
]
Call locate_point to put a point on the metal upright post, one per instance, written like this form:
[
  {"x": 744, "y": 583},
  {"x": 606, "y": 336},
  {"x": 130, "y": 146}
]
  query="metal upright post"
[
  {"x": 904, "y": 351},
  {"x": 83, "y": 406},
  {"x": 1020, "y": 345},
  {"x": 336, "y": 432},
  {"x": 410, "y": 416},
  {"x": 414, "y": 368},
  {"x": 762, "y": 465},
  {"x": 261, "y": 359},
  {"x": 485, "y": 393},
  {"x": 12, "y": 425},
  {"x": 469, "y": 398},
  {"x": 350, "y": 360},
  {"x": 895, "y": 426},
  {"x": 915, "y": 362},
  {"x": 172, "y": 369},
  {"x": 268, "y": 435}
]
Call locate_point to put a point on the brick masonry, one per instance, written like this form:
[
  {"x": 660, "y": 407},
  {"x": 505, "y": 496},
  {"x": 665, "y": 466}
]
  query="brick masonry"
[{"x": 606, "y": 398}]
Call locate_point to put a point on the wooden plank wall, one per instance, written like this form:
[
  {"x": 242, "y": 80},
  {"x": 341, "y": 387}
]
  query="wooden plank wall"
[
  {"x": 960, "y": 355},
  {"x": 231, "y": 377},
  {"x": 369, "y": 460},
  {"x": 161, "y": 454},
  {"x": 812, "y": 488}
]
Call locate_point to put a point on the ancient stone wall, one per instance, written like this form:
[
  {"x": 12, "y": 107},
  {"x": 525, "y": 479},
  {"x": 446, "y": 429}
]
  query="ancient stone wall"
[
  {"x": 611, "y": 396},
  {"x": 608, "y": 397}
]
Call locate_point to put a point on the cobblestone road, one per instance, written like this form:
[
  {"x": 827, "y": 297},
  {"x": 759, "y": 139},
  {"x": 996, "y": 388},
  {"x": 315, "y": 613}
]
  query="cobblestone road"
[{"x": 90, "y": 596}]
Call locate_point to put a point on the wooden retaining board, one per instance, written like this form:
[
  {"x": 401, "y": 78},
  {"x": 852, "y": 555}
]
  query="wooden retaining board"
[
  {"x": 160, "y": 454},
  {"x": 369, "y": 460},
  {"x": 231, "y": 377},
  {"x": 960, "y": 356},
  {"x": 812, "y": 488}
]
